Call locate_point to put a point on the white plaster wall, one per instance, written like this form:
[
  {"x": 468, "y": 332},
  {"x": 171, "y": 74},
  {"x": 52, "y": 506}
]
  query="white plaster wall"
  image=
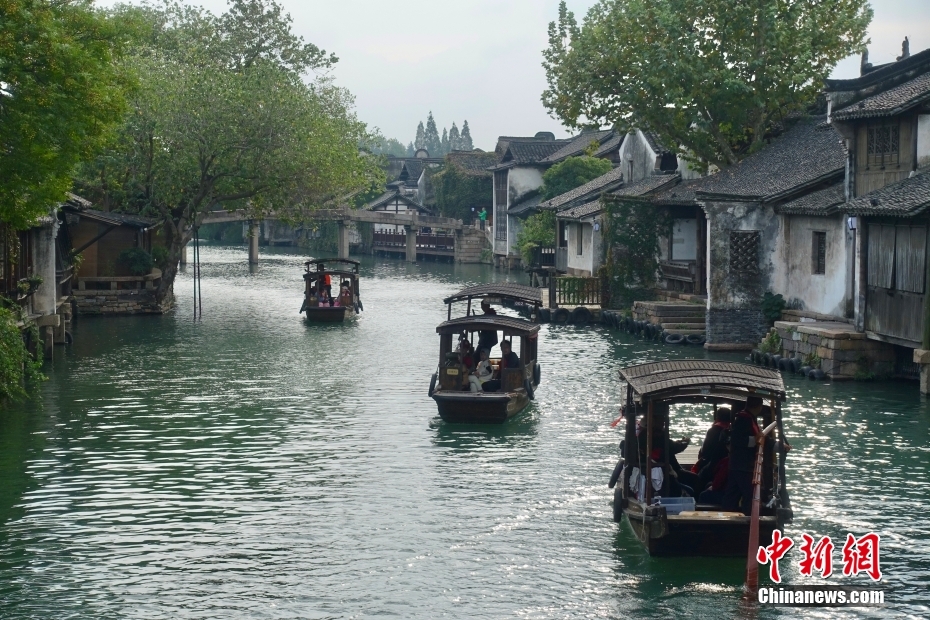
[
  {"x": 795, "y": 280},
  {"x": 923, "y": 140},
  {"x": 521, "y": 181},
  {"x": 639, "y": 160},
  {"x": 583, "y": 264},
  {"x": 514, "y": 226}
]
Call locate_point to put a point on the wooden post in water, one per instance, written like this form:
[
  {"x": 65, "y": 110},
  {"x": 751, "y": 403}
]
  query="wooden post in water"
[
  {"x": 752, "y": 563},
  {"x": 254, "y": 232},
  {"x": 411, "y": 243}
]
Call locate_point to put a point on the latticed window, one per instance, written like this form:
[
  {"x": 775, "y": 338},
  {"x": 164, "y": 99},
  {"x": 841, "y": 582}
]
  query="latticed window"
[
  {"x": 744, "y": 251},
  {"x": 819, "y": 253},
  {"x": 883, "y": 145},
  {"x": 500, "y": 204}
]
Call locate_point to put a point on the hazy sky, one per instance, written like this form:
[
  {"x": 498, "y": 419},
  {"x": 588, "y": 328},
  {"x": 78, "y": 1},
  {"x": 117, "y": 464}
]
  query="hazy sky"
[{"x": 480, "y": 60}]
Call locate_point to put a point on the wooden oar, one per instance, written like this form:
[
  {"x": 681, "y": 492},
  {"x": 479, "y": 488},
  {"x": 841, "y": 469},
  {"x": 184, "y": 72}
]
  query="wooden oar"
[{"x": 752, "y": 564}]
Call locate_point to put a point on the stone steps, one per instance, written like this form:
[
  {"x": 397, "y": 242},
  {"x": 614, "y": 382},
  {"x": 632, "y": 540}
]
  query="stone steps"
[{"x": 675, "y": 317}]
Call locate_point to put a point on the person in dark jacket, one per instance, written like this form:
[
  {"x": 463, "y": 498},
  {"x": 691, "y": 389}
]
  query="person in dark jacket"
[
  {"x": 714, "y": 448},
  {"x": 487, "y": 338},
  {"x": 745, "y": 437},
  {"x": 509, "y": 359}
]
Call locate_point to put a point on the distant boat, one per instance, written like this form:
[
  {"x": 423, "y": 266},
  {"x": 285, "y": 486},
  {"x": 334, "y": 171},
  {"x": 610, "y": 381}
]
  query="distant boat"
[
  {"x": 343, "y": 295},
  {"x": 449, "y": 386},
  {"x": 678, "y": 526}
]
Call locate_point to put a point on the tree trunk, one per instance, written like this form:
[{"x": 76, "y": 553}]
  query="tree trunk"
[{"x": 176, "y": 243}]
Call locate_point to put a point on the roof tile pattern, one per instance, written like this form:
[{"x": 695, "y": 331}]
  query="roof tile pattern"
[
  {"x": 582, "y": 211},
  {"x": 577, "y": 145},
  {"x": 906, "y": 198},
  {"x": 808, "y": 151},
  {"x": 531, "y": 152},
  {"x": 890, "y": 102},
  {"x": 822, "y": 202},
  {"x": 602, "y": 183}
]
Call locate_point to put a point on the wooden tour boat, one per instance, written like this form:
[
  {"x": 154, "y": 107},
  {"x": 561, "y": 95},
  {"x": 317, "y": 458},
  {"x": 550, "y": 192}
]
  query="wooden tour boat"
[
  {"x": 335, "y": 312},
  {"x": 449, "y": 386},
  {"x": 698, "y": 529}
]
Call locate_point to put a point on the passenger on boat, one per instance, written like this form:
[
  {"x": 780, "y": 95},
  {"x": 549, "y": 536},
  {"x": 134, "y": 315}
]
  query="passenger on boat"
[
  {"x": 482, "y": 373},
  {"x": 328, "y": 285},
  {"x": 345, "y": 295},
  {"x": 466, "y": 355},
  {"x": 325, "y": 299},
  {"x": 509, "y": 359},
  {"x": 713, "y": 449},
  {"x": 714, "y": 493},
  {"x": 313, "y": 301},
  {"x": 745, "y": 436},
  {"x": 487, "y": 338},
  {"x": 659, "y": 436}
]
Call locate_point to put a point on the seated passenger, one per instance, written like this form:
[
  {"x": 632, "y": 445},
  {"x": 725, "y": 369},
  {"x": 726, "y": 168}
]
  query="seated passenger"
[
  {"x": 482, "y": 373},
  {"x": 466, "y": 356},
  {"x": 657, "y": 452},
  {"x": 313, "y": 301},
  {"x": 509, "y": 359}
]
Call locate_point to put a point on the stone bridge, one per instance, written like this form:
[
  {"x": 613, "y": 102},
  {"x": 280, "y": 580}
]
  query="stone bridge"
[{"x": 469, "y": 241}]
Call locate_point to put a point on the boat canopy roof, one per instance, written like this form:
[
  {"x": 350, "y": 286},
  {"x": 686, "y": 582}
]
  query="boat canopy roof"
[
  {"x": 693, "y": 380},
  {"x": 504, "y": 289},
  {"x": 314, "y": 275},
  {"x": 478, "y": 322},
  {"x": 325, "y": 261}
]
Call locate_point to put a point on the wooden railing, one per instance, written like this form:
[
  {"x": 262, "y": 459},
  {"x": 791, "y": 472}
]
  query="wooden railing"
[
  {"x": 436, "y": 242},
  {"x": 571, "y": 291},
  {"x": 543, "y": 257}
]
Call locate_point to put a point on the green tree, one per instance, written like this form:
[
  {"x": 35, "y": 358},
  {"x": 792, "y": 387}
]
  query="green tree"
[
  {"x": 222, "y": 118},
  {"x": 420, "y": 141},
  {"x": 466, "y": 138},
  {"x": 60, "y": 94},
  {"x": 538, "y": 232},
  {"x": 431, "y": 137},
  {"x": 455, "y": 141},
  {"x": 410, "y": 150},
  {"x": 713, "y": 76},
  {"x": 459, "y": 189},
  {"x": 444, "y": 142},
  {"x": 571, "y": 173}
]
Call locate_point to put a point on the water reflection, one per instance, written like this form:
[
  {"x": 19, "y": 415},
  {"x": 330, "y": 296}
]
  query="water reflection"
[{"x": 249, "y": 464}]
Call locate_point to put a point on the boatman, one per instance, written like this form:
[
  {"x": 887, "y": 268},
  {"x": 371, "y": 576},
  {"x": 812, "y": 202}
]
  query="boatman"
[
  {"x": 745, "y": 437},
  {"x": 487, "y": 338}
]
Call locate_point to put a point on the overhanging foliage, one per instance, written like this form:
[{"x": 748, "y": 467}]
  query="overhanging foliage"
[{"x": 632, "y": 230}]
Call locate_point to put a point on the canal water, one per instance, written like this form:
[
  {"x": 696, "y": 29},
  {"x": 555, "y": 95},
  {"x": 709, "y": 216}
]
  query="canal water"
[{"x": 251, "y": 465}]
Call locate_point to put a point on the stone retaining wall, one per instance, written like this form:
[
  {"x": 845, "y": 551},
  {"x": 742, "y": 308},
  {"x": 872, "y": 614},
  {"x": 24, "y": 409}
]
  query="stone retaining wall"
[
  {"x": 844, "y": 353},
  {"x": 734, "y": 328}
]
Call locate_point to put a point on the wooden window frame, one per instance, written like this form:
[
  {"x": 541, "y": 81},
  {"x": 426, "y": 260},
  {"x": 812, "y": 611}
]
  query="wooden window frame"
[{"x": 819, "y": 252}]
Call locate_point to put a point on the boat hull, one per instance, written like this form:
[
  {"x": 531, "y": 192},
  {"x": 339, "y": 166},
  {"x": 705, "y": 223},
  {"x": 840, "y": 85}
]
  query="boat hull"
[
  {"x": 480, "y": 407},
  {"x": 334, "y": 314},
  {"x": 711, "y": 537}
]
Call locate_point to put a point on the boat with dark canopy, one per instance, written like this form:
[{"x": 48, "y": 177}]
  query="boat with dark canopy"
[
  {"x": 677, "y": 526},
  {"x": 449, "y": 386},
  {"x": 343, "y": 278}
]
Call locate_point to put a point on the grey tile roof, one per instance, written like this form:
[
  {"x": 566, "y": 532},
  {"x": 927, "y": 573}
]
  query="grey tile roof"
[
  {"x": 655, "y": 143},
  {"x": 113, "y": 218},
  {"x": 605, "y": 182},
  {"x": 581, "y": 211},
  {"x": 905, "y": 198},
  {"x": 578, "y": 145},
  {"x": 890, "y": 102},
  {"x": 646, "y": 185},
  {"x": 681, "y": 194},
  {"x": 808, "y": 152},
  {"x": 610, "y": 144},
  {"x": 529, "y": 203},
  {"x": 825, "y": 201},
  {"x": 412, "y": 170},
  {"x": 531, "y": 152},
  {"x": 390, "y": 195}
]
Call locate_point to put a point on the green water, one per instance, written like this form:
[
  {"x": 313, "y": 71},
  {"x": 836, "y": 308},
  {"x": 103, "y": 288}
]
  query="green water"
[{"x": 251, "y": 465}]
